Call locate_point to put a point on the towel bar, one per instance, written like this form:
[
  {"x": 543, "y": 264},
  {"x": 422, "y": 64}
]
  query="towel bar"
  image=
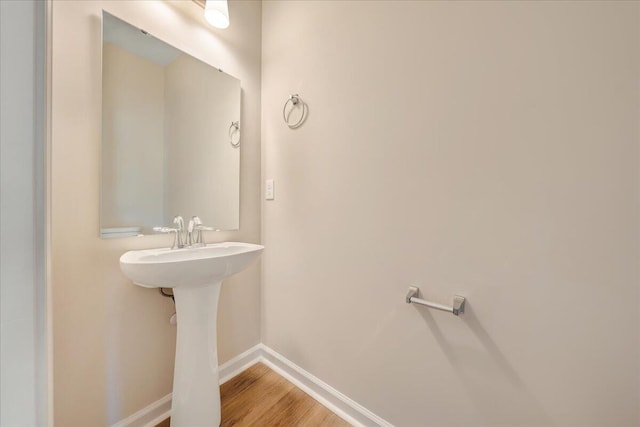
[{"x": 458, "y": 302}]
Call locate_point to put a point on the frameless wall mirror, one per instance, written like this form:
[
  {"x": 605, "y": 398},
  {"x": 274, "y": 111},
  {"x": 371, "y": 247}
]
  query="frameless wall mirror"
[{"x": 170, "y": 135}]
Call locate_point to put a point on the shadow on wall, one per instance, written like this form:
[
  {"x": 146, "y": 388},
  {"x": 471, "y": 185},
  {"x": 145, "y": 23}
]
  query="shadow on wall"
[{"x": 478, "y": 372}]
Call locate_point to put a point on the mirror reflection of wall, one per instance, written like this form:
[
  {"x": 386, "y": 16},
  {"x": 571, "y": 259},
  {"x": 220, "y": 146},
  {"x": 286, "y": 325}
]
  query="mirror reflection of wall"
[{"x": 165, "y": 136}]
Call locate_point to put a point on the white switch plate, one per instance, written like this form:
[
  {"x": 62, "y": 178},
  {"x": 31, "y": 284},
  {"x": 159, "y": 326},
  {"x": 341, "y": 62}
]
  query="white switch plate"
[{"x": 269, "y": 190}]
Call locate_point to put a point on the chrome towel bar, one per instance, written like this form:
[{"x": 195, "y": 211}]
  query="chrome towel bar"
[{"x": 458, "y": 302}]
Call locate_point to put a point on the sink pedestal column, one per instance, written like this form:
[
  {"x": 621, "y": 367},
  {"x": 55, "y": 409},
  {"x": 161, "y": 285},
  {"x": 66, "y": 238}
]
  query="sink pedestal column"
[{"x": 196, "y": 388}]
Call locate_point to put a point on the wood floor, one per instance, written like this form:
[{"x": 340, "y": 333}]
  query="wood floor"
[{"x": 260, "y": 397}]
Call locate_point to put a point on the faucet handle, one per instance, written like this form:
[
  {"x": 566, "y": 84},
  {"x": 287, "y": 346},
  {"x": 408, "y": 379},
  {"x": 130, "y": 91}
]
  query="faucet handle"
[
  {"x": 165, "y": 230},
  {"x": 177, "y": 241},
  {"x": 190, "y": 228},
  {"x": 195, "y": 225},
  {"x": 199, "y": 237},
  {"x": 170, "y": 230}
]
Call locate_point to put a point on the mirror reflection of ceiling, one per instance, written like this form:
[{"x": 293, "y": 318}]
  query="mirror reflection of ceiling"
[{"x": 137, "y": 41}]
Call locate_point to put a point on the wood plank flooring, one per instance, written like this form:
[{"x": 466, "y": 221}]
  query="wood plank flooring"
[{"x": 260, "y": 397}]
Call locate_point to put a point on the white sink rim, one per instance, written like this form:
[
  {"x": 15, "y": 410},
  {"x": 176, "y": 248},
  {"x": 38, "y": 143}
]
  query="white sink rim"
[
  {"x": 172, "y": 268},
  {"x": 165, "y": 255}
]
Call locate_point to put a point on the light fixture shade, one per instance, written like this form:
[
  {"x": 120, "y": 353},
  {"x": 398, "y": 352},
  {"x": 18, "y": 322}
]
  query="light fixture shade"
[{"x": 216, "y": 12}]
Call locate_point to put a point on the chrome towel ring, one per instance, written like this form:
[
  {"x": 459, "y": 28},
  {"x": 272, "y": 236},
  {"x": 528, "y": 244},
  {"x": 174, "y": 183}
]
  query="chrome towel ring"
[
  {"x": 295, "y": 101},
  {"x": 233, "y": 129}
]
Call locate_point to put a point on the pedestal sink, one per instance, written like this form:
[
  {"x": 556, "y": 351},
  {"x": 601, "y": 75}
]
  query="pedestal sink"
[{"x": 195, "y": 274}]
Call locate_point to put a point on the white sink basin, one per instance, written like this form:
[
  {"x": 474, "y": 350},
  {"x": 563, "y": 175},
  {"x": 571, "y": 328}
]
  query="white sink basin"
[
  {"x": 172, "y": 268},
  {"x": 195, "y": 274}
]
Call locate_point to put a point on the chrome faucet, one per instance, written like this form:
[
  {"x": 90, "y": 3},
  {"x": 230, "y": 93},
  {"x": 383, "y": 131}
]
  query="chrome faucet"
[
  {"x": 194, "y": 237},
  {"x": 178, "y": 241},
  {"x": 195, "y": 226}
]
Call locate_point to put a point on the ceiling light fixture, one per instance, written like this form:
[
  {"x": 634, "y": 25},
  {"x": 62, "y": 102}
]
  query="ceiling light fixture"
[{"x": 216, "y": 12}]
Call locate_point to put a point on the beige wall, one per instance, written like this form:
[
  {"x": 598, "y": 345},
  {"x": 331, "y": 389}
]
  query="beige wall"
[
  {"x": 482, "y": 148},
  {"x": 132, "y": 163},
  {"x": 113, "y": 346}
]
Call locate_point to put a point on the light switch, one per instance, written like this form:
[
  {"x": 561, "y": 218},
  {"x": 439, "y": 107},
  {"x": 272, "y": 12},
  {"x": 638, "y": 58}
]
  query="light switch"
[{"x": 269, "y": 190}]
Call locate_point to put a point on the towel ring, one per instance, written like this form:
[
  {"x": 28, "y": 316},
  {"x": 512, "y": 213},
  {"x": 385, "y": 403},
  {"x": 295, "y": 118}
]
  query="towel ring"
[
  {"x": 294, "y": 100},
  {"x": 236, "y": 126}
]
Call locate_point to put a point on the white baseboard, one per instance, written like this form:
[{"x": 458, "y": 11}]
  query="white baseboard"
[
  {"x": 240, "y": 363},
  {"x": 149, "y": 416},
  {"x": 336, "y": 402},
  {"x": 341, "y": 405}
]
